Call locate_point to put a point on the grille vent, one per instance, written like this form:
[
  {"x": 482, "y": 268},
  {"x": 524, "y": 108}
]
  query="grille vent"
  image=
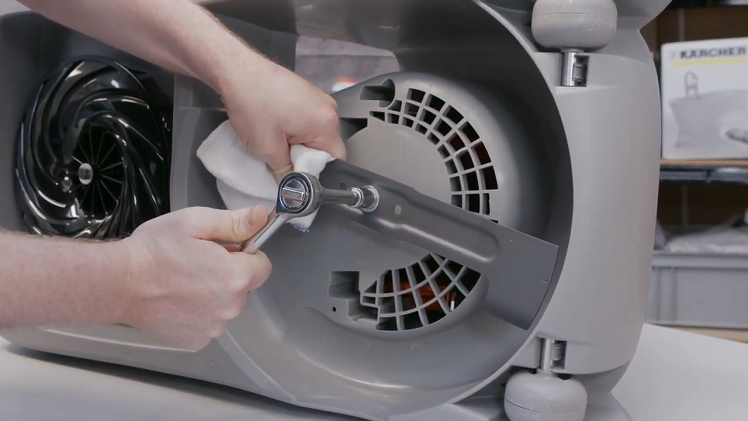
[
  {"x": 465, "y": 156},
  {"x": 425, "y": 292}
]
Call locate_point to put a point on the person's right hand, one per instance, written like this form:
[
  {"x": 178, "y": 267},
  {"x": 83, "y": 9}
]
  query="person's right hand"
[
  {"x": 272, "y": 108},
  {"x": 184, "y": 287}
]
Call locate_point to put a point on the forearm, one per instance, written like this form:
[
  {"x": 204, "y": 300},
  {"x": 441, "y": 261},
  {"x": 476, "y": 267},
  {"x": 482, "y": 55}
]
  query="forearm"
[
  {"x": 175, "y": 34},
  {"x": 47, "y": 281}
]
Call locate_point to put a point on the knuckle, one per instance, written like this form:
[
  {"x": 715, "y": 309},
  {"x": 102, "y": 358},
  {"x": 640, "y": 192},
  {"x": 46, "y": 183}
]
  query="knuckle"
[
  {"x": 328, "y": 115},
  {"x": 233, "y": 312},
  {"x": 204, "y": 343},
  {"x": 251, "y": 141},
  {"x": 189, "y": 217},
  {"x": 197, "y": 344},
  {"x": 330, "y": 101},
  {"x": 264, "y": 148},
  {"x": 266, "y": 265},
  {"x": 237, "y": 283},
  {"x": 267, "y": 270},
  {"x": 261, "y": 273},
  {"x": 215, "y": 331},
  {"x": 240, "y": 286},
  {"x": 189, "y": 213},
  {"x": 253, "y": 282}
]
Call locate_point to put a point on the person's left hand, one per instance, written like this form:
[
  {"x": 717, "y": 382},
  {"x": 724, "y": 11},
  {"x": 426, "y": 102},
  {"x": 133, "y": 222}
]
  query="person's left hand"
[{"x": 271, "y": 108}]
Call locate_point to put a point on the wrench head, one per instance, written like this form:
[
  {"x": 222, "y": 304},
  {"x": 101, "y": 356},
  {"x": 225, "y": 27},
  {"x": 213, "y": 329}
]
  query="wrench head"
[{"x": 298, "y": 194}]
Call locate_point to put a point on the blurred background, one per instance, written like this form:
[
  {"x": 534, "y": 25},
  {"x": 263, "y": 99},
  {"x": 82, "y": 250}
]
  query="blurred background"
[{"x": 700, "y": 267}]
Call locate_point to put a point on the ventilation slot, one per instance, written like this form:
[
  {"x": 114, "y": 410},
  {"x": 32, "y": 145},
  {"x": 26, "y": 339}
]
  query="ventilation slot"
[
  {"x": 465, "y": 156},
  {"x": 419, "y": 295},
  {"x": 351, "y": 126},
  {"x": 385, "y": 93},
  {"x": 425, "y": 292}
]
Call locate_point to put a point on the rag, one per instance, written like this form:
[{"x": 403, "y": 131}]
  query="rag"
[{"x": 244, "y": 179}]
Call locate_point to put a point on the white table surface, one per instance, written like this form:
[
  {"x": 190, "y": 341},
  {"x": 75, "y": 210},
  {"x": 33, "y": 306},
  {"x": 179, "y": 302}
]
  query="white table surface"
[
  {"x": 683, "y": 376},
  {"x": 675, "y": 376}
]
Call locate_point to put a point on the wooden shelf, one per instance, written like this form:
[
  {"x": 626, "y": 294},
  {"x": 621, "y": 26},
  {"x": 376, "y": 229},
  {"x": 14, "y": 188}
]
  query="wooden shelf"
[
  {"x": 705, "y": 171},
  {"x": 729, "y": 334},
  {"x": 715, "y": 163}
]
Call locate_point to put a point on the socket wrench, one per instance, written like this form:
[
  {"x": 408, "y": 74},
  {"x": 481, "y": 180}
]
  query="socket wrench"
[{"x": 301, "y": 194}]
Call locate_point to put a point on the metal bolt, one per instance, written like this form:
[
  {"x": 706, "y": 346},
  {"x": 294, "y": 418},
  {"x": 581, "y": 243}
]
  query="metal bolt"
[
  {"x": 294, "y": 194},
  {"x": 85, "y": 174}
]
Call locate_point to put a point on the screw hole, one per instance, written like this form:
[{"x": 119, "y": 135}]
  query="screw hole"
[
  {"x": 334, "y": 309},
  {"x": 397, "y": 209}
]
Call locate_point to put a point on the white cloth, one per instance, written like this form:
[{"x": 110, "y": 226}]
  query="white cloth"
[{"x": 245, "y": 180}]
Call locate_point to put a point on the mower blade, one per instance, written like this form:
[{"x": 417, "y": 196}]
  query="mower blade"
[{"x": 518, "y": 267}]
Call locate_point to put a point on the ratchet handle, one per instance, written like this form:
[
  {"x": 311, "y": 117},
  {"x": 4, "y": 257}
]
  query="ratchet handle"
[{"x": 275, "y": 221}]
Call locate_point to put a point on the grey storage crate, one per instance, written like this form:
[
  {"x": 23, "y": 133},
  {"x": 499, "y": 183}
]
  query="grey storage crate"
[{"x": 699, "y": 290}]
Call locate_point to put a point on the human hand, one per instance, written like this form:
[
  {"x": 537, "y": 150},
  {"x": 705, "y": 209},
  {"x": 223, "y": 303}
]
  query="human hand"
[
  {"x": 184, "y": 287},
  {"x": 270, "y": 108}
]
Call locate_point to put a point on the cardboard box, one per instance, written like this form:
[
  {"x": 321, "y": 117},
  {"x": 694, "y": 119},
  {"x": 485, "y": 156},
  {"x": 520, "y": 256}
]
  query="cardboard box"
[{"x": 705, "y": 99}]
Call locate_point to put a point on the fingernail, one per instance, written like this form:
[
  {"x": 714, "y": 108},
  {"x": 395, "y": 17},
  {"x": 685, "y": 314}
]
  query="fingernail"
[{"x": 339, "y": 152}]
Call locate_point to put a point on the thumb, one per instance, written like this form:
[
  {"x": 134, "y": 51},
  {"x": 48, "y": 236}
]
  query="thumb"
[{"x": 229, "y": 226}]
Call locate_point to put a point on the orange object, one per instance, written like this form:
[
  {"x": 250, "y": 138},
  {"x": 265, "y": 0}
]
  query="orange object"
[{"x": 426, "y": 294}]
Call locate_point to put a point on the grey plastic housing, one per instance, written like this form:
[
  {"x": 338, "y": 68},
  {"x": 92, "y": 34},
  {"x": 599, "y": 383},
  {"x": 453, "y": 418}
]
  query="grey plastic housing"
[
  {"x": 571, "y": 159},
  {"x": 517, "y": 268},
  {"x": 574, "y": 24}
]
